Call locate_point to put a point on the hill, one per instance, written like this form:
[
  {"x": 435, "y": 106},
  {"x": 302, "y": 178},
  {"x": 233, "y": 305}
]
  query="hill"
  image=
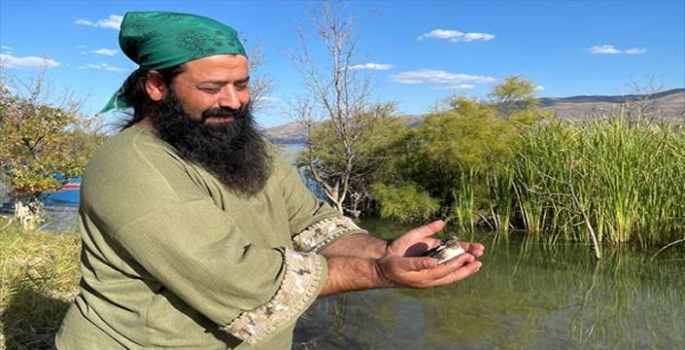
[{"x": 667, "y": 105}]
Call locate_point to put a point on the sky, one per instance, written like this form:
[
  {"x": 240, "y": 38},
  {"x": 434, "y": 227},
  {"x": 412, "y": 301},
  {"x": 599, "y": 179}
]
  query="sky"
[{"x": 417, "y": 52}]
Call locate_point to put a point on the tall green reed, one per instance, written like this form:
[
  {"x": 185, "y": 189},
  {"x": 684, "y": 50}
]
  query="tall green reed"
[
  {"x": 609, "y": 176},
  {"x": 625, "y": 177}
]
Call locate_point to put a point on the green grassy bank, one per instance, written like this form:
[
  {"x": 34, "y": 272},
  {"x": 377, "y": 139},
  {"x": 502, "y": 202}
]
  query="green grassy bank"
[{"x": 38, "y": 277}]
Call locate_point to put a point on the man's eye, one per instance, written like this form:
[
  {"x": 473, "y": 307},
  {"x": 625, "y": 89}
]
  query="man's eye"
[
  {"x": 240, "y": 87},
  {"x": 210, "y": 90}
]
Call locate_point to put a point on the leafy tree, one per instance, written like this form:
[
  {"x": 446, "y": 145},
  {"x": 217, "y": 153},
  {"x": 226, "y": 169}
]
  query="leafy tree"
[
  {"x": 377, "y": 135},
  {"x": 44, "y": 145},
  {"x": 467, "y": 139},
  {"x": 514, "y": 94},
  {"x": 517, "y": 100},
  {"x": 404, "y": 202},
  {"x": 455, "y": 151}
]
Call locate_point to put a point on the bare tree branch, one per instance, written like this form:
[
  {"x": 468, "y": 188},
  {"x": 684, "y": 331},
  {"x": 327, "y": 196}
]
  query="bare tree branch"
[{"x": 337, "y": 93}]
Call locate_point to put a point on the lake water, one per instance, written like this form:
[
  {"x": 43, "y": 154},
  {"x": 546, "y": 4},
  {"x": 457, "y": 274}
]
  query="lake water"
[
  {"x": 61, "y": 210},
  {"x": 526, "y": 296}
]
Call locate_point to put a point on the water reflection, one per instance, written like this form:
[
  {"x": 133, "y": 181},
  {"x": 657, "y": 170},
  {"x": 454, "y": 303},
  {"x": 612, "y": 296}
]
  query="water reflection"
[{"x": 526, "y": 296}]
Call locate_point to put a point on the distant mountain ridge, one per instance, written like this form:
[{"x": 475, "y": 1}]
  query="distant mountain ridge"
[
  {"x": 550, "y": 101},
  {"x": 669, "y": 105},
  {"x": 665, "y": 105}
]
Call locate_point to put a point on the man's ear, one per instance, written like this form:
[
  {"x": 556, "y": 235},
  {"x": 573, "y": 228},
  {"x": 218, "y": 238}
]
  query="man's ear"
[{"x": 155, "y": 86}]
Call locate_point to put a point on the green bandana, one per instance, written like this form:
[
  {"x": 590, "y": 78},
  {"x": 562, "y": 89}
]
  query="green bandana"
[{"x": 158, "y": 40}]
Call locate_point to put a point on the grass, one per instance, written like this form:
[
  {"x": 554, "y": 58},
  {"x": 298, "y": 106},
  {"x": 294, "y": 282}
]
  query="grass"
[
  {"x": 38, "y": 278},
  {"x": 626, "y": 176}
]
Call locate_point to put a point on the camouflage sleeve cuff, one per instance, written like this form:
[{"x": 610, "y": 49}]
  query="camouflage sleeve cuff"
[
  {"x": 323, "y": 233},
  {"x": 304, "y": 277}
]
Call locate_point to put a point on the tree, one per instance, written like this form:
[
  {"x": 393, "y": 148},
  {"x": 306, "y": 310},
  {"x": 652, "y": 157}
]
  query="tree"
[
  {"x": 44, "y": 144},
  {"x": 517, "y": 100},
  {"x": 642, "y": 106},
  {"x": 374, "y": 145},
  {"x": 336, "y": 155},
  {"x": 455, "y": 149},
  {"x": 466, "y": 140},
  {"x": 260, "y": 84}
]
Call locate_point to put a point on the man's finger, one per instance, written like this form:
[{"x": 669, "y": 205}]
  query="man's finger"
[
  {"x": 476, "y": 249},
  {"x": 439, "y": 272},
  {"x": 459, "y": 274},
  {"x": 425, "y": 230}
]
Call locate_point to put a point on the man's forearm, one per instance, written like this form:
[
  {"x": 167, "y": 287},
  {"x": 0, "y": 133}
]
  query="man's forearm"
[
  {"x": 358, "y": 245},
  {"x": 347, "y": 274},
  {"x": 352, "y": 264}
]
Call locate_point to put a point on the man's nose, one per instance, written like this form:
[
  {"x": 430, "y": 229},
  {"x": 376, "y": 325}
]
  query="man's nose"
[{"x": 229, "y": 98}]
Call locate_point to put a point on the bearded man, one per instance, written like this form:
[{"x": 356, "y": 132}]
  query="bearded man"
[{"x": 196, "y": 234}]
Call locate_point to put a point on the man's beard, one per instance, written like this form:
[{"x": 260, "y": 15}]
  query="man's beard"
[{"x": 234, "y": 151}]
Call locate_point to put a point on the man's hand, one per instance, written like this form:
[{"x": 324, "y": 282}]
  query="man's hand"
[
  {"x": 416, "y": 241},
  {"x": 402, "y": 265}
]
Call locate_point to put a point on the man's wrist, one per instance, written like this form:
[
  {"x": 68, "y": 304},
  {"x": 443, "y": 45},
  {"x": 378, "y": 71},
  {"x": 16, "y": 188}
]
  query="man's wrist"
[
  {"x": 347, "y": 274},
  {"x": 380, "y": 276},
  {"x": 381, "y": 246}
]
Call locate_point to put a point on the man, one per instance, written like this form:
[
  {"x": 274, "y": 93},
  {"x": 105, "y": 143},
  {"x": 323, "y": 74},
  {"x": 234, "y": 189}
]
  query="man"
[{"x": 195, "y": 234}]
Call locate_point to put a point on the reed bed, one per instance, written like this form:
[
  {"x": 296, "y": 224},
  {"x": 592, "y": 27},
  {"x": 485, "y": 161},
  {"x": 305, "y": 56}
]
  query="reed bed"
[{"x": 620, "y": 179}]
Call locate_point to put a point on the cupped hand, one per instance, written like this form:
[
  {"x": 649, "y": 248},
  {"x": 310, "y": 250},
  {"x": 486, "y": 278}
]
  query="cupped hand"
[
  {"x": 417, "y": 241},
  {"x": 402, "y": 265},
  {"x": 425, "y": 272}
]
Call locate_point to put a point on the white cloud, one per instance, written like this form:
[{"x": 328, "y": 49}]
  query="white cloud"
[
  {"x": 439, "y": 77},
  {"x": 611, "y": 50},
  {"x": 539, "y": 88},
  {"x": 103, "y": 66},
  {"x": 105, "y": 52},
  {"x": 636, "y": 51},
  {"x": 456, "y": 87},
  {"x": 85, "y": 22},
  {"x": 6, "y": 48},
  {"x": 81, "y": 46},
  {"x": 113, "y": 22},
  {"x": 374, "y": 66},
  {"x": 10, "y": 61},
  {"x": 604, "y": 49},
  {"x": 456, "y": 36}
]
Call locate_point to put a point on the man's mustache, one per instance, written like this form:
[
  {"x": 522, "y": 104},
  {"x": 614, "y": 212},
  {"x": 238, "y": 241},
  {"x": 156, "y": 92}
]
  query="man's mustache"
[{"x": 222, "y": 112}]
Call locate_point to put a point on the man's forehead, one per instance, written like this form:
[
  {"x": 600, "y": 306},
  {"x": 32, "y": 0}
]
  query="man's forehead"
[
  {"x": 227, "y": 62},
  {"x": 218, "y": 67}
]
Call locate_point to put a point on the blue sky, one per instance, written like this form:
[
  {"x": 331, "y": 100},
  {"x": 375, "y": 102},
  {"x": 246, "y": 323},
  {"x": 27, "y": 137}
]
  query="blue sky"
[{"x": 418, "y": 51}]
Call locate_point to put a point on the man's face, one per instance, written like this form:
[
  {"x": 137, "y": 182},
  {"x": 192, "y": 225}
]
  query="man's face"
[
  {"x": 210, "y": 86},
  {"x": 205, "y": 115}
]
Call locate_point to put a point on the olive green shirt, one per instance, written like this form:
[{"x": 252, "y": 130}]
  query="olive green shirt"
[{"x": 172, "y": 259}]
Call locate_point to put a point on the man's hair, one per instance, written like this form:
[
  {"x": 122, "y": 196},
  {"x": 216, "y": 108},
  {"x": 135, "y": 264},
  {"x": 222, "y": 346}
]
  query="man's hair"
[{"x": 134, "y": 92}]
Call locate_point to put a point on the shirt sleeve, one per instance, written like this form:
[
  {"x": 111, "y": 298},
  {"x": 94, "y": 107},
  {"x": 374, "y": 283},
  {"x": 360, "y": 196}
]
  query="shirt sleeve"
[{"x": 302, "y": 270}]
